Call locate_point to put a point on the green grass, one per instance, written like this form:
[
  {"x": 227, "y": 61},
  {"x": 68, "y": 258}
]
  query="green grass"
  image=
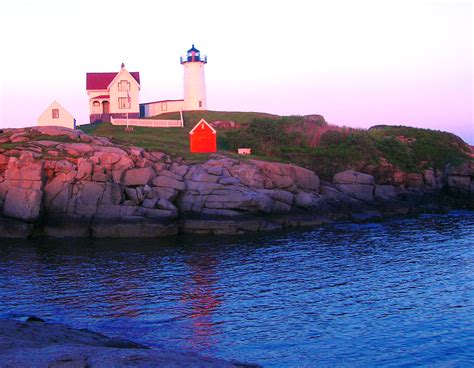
[
  {"x": 88, "y": 128},
  {"x": 174, "y": 141},
  {"x": 428, "y": 148},
  {"x": 36, "y": 137},
  {"x": 405, "y": 148},
  {"x": 191, "y": 118},
  {"x": 8, "y": 146}
]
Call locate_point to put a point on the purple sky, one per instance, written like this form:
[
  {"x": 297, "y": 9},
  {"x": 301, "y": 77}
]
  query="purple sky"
[{"x": 358, "y": 63}]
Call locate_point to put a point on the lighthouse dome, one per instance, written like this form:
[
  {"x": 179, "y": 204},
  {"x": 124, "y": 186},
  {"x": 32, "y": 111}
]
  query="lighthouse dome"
[
  {"x": 193, "y": 55},
  {"x": 193, "y": 49}
]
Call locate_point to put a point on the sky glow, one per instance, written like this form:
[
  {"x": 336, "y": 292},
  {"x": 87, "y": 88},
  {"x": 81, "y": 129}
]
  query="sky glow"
[{"x": 358, "y": 63}]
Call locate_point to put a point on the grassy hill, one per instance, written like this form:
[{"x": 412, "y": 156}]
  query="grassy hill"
[
  {"x": 174, "y": 141},
  {"x": 304, "y": 140},
  {"x": 329, "y": 149},
  {"x": 193, "y": 117}
]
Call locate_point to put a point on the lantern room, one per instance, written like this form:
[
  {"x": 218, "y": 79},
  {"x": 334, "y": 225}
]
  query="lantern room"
[{"x": 193, "y": 55}]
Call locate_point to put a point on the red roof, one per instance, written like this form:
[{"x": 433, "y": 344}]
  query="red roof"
[{"x": 102, "y": 80}]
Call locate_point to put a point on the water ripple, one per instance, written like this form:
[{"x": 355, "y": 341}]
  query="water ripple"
[{"x": 396, "y": 293}]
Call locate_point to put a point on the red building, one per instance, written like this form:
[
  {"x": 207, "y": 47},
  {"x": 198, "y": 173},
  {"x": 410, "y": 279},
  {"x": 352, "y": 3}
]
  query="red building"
[{"x": 202, "y": 138}]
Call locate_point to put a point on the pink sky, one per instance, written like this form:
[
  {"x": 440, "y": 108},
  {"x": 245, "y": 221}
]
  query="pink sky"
[{"x": 358, "y": 63}]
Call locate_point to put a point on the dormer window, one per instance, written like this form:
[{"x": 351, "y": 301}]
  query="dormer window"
[{"x": 124, "y": 85}]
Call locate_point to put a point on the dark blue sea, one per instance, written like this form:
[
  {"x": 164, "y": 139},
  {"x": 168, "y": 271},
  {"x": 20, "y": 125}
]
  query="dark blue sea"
[{"x": 396, "y": 293}]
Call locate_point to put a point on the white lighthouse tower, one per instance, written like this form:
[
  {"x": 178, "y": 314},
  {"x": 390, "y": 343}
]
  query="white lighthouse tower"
[{"x": 194, "y": 83}]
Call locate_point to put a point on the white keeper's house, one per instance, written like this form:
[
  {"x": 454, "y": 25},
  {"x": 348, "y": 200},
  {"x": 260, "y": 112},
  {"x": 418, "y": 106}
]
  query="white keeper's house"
[{"x": 113, "y": 95}]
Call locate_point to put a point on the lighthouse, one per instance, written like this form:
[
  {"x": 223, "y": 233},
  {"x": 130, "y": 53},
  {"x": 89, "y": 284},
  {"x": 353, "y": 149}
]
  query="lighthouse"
[{"x": 194, "y": 82}]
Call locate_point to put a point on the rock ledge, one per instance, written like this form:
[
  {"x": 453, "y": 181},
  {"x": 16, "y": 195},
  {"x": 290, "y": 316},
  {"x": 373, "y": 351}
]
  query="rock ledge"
[{"x": 39, "y": 344}]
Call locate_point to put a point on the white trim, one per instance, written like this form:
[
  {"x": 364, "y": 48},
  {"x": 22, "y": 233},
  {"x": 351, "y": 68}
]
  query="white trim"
[{"x": 205, "y": 122}]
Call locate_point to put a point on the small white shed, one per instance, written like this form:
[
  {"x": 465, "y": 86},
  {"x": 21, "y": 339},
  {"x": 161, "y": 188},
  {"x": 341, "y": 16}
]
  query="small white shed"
[
  {"x": 244, "y": 151},
  {"x": 56, "y": 115}
]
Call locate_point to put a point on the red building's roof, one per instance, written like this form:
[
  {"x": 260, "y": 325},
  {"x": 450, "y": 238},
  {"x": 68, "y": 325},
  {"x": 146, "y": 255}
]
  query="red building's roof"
[
  {"x": 206, "y": 127},
  {"x": 102, "y": 80}
]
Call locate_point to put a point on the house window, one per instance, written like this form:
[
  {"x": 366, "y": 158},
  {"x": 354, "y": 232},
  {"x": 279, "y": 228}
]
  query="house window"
[
  {"x": 164, "y": 106},
  {"x": 124, "y": 85},
  {"x": 200, "y": 103},
  {"x": 123, "y": 103},
  {"x": 55, "y": 113}
]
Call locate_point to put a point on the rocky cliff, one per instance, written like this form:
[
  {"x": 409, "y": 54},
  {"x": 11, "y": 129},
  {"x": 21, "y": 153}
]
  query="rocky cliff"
[{"x": 64, "y": 183}]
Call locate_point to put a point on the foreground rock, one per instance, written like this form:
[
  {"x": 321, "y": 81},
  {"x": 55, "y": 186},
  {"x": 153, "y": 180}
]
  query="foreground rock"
[
  {"x": 75, "y": 185},
  {"x": 39, "y": 344}
]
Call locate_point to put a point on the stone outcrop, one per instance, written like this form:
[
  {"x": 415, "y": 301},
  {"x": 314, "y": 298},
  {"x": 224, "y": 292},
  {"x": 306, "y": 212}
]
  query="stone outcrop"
[
  {"x": 11, "y": 228},
  {"x": 386, "y": 192},
  {"x": 22, "y": 188},
  {"x": 459, "y": 178},
  {"x": 355, "y": 184},
  {"x": 36, "y": 343},
  {"x": 72, "y": 184}
]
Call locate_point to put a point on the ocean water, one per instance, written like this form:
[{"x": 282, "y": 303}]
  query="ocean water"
[{"x": 396, "y": 293}]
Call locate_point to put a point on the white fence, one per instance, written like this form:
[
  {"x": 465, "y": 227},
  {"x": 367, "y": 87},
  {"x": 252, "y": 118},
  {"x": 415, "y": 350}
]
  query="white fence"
[{"x": 149, "y": 123}]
